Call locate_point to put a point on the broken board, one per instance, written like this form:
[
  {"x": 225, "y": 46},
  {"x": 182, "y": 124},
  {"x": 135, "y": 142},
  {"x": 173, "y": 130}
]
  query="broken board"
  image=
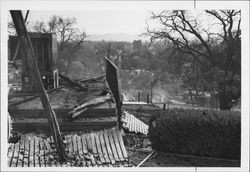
[
  {"x": 30, "y": 116},
  {"x": 104, "y": 148}
]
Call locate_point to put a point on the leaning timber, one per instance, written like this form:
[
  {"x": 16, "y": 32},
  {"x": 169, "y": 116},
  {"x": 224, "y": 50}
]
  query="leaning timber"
[{"x": 31, "y": 59}]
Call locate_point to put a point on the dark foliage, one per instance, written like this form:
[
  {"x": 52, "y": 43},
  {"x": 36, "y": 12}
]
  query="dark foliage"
[{"x": 197, "y": 132}]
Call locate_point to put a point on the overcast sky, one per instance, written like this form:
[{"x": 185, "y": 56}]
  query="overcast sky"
[
  {"x": 130, "y": 23},
  {"x": 100, "y": 21}
]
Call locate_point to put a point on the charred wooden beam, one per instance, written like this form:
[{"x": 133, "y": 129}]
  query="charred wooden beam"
[
  {"x": 95, "y": 79},
  {"x": 74, "y": 83},
  {"x": 24, "y": 125},
  {"x": 18, "y": 42},
  {"x": 30, "y": 98},
  {"x": 94, "y": 102},
  {"x": 61, "y": 113},
  {"x": 112, "y": 80},
  {"x": 32, "y": 63}
]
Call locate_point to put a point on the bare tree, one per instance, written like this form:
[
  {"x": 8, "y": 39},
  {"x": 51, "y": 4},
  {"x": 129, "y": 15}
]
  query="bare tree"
[
  {"x": 69, "y": 37},
  {"x": 213, "y": 49}
]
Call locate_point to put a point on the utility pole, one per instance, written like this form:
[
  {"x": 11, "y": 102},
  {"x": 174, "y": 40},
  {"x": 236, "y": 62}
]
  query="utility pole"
[{"x": 25, "y": 42}]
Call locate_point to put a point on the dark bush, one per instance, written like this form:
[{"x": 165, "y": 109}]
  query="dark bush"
[{"x": 197, "y": 132}]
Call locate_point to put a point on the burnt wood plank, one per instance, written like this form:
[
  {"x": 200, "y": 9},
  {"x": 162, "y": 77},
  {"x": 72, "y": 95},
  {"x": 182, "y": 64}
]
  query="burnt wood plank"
[
  {"x": 85, "y": 150},
  {"x": 99, "y": 148},
  {"x": 51, "y": 156},
  {"x": 95, "y": 149},
  {"x": 10, "y": 154},
  {"x": 137, "y": 125},
  {"x": 31, "y": 152},
  {"x": 135, "y": 129},
  {"x": 112, "y": 80},
  {"x": 36, "y": 152},
  {"x": 31, "y": 125},
  {"x": 124, "y": 152},
  {"x": 46, "y": 153},
  {"x": 90, "y": 104},
  {"x": 74, "y": 83},
  {"x": 134, "y": 124},
  {"x": 93, "y": 144},
  {"x": 21, "y": 152},
  {"x": 109, "y": 150},
  {"x": 112, "y": 144},
  {"x": 90, "y": 149},
  {"x": 84, "y": 144},
  {"x": 26, "y": 151},
  {"x": 104, "y": 149},
  {"x": 67, "y": 143},
  {"x": 70, "y": 145},
  {"x": 15, "y": 155},
  {"x": 61, "y": 113},
  {"x": 80, "y": 151},
  {"x": 41, "y": 154},
  {"x": 89, "y": 145},
  {"x": 118, "y": 148},
  {"x": 141, "y": 127},
  {"x": 54, "y": 150},
  {"x": 79, "y": 146},
  {"x": 28, "y": 97},
  {"x": 73, "y": 137},
  {"x": 130, "y": 123}
]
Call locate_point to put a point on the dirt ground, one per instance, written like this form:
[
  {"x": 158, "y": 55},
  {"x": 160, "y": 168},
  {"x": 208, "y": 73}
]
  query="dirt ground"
[{"x": 163, "y": 160}]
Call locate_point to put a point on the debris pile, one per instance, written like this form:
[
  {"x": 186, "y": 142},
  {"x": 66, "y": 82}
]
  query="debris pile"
[{"x": 133, "y": 125}]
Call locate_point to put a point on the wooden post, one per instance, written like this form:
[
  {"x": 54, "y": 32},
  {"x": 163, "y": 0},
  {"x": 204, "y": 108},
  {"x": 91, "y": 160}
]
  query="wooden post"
[
  {"x": 151, "y": 92},
  {"x": 164, "y": 107},
  {"x": 32, "y": 63},
  {"x": 139, "y": 96},
  {"x": 147, "y": 98},
  {"x": 18, "y": 42},
  {"x": 112, "y": 80}
]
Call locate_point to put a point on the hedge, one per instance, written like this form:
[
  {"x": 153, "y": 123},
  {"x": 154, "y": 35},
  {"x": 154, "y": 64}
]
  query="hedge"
[{"x": 197, "y": 132}]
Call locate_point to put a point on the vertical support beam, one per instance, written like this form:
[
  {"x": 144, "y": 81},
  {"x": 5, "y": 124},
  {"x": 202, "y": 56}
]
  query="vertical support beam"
[
  {"x": 112, "y": 80},
  {"x": 18, "y": 42},
  {"x": 31, "y": 60},
  {"x": 164, "y": 107},
  {"x": 139, "y": 96},
  {"x": 151, "y": 91},
  {"x": 147, "y": 98}
]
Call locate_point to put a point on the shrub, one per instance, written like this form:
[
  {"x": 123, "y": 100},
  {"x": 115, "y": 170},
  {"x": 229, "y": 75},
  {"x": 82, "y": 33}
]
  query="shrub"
[{"x": 197, "y": 132}]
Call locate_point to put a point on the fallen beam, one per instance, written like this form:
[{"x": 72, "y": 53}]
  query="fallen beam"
[
  {"x": 146, "y": 159},
  {"x": 74, "y": 83},
  {"x": 32, "y": 97},
  {"x": 94, "y": 102},
  {"x": 95, "y": 79},
  {"x": 36, "y": 77}
]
